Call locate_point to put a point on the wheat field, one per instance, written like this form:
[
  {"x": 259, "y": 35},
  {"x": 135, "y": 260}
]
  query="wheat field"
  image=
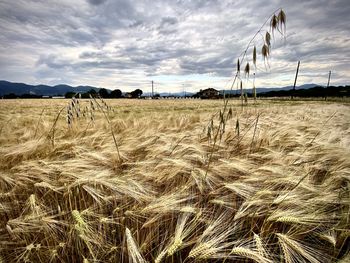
[{"x": 169, "y": 181}]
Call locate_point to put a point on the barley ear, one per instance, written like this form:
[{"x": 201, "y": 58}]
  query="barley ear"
[
  {"x": 133, "y": 250},
  {"x": 249, "y": 254}
]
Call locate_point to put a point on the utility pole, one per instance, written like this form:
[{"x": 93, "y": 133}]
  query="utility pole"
[
  {"x": 329, "y": 79},
  {"x": 295, "y": 80},
  {"x": 152, "y": 90}
]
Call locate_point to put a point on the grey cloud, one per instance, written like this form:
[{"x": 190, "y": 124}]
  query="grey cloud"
[
  {"x": 168, "y": 21},
  {"x": 91, "y": 54},
  {"x": 136, "y": 23},
  {"x": 221, "y": 66},
  {"x": 189, "y": 37},
  {"x": 168, "y": 25},
  {"x": 52, "y": 61},
  {"x": 96, "y": 2}
]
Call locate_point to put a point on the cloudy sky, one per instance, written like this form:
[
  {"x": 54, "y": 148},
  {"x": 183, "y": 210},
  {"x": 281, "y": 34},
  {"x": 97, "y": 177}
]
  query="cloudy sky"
[{"x": 180, "y": 44}]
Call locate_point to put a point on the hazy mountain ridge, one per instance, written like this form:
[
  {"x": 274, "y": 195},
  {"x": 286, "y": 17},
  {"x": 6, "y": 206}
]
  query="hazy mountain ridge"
[
  {"x": 264, "y": 90},
  {"x": 7, "y": 87}
]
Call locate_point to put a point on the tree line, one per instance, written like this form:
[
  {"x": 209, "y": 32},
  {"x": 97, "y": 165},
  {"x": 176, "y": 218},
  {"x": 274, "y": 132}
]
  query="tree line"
[
  {"x": 318, "y": 91},
  {"x": 104, "y": 93},
  {"x": 315, "y": 92}
]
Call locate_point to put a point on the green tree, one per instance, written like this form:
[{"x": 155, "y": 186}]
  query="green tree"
[
  {"x": 92, "y": 92},
  {"x": 103, "y": 93},
  {"x": 117, "y": 93},
  {"x": 69, "y": 95},
  {"x": 136, "y": 93}
]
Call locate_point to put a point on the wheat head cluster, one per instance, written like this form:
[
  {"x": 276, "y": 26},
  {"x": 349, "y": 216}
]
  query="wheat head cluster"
[{"x": 171, "y": 181}]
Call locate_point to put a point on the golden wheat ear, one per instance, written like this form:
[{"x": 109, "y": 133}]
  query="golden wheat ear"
[
  {"x": 134, "y": 253},
  {"x": 295, "y": 251},
  {"x": 243, "y": 252}
]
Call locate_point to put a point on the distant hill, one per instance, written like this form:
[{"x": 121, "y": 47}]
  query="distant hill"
[
  {"x": 7, "y": 87},
  {"x": 264, "y": 90},
  {"x": 306, "y": 90},
  {"x": 317, "y": 91}
]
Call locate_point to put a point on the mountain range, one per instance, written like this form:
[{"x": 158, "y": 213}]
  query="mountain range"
[
  {"x": 7, "y": 87},
  {"x": 264, "y": 90}
]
